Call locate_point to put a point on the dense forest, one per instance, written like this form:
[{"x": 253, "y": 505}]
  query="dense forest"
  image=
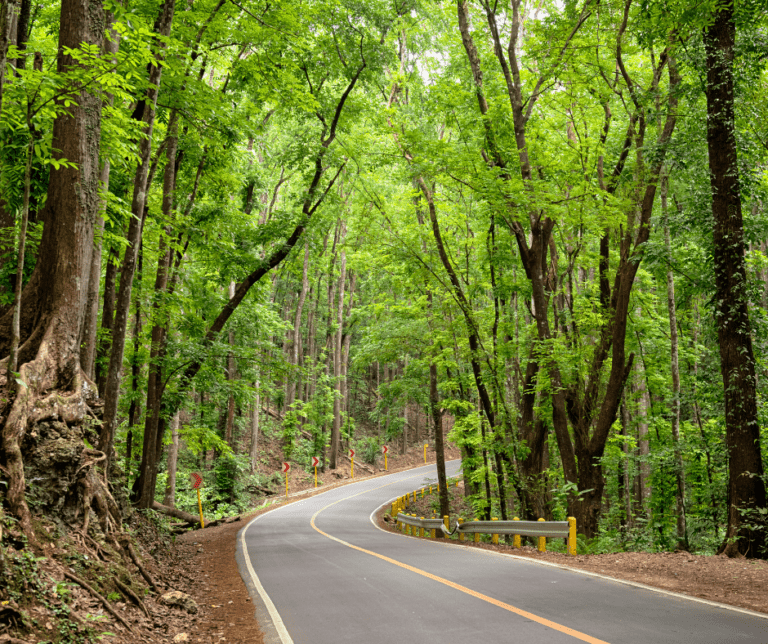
[{"x": 344, "y": 223}]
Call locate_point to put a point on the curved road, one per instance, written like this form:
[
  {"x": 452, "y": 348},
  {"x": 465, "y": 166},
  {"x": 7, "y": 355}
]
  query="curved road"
[{"x": 320, "y": 572}]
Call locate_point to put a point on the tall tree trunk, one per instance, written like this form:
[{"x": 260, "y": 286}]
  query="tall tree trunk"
[
  {"x": 173, "y": 456},
  {"x": 159, "y": 326},
  {"x": 112, "y": 389},
  {"x": 90, "y": 323},
  {"x": 54, "y": 299},
  {"x": 296, "y": 344},
  {"x": 229, "y": 431},
  {"x": 682, "y": 532},
  {"x": 336, "y": 429},
  {"x": 437, "y": 421},
  {"x": 134, "y": 410},
  {"x": 255, "y": 417},
  {"x": 737, "y": 363}
]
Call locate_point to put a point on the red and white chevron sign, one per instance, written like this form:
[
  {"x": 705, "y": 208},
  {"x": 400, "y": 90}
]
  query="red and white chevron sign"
[
  {"x": 315, "y": 461},
  {"x": 196, "y": 480},
  {"x": 351, "y": 453},
  {"x": 384, "y": 449},
  {"x": 286, "y": 467}
]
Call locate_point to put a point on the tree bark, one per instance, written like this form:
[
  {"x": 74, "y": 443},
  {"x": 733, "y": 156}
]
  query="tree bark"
[
  {"x": 336, "y": 428},
  {"x": 88, "y": 349},
  {"x": 682, "y": 532},
  {"x": 296, "y": 343},
  {"x": 737, "y": 363},
  {"x": 173, "y": 457},
  {"x": 112, "y": 388},
  {"x": 56, "y": 294}
]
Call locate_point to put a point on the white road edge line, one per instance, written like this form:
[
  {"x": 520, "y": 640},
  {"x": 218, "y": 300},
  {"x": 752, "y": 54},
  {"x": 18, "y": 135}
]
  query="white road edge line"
[
  {"x": 282, "y": 631},
  {"x": 626, "y": 582}
]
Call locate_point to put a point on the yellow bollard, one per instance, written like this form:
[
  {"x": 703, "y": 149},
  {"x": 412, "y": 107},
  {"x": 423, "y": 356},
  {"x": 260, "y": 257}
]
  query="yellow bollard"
[
  {"x": 394, "y": 510},
  {"x": 421, "y": 529},
  {"x": 495, "y": 537},
  {"x": 516, "y": 539},
  {"x": 430, "y": 489},
  {"x": 571, "y": 535},
  {"x": 422, "y": 493},
  {"x": 477, "y": 537},
  {"x": 542, "y": 542},
  {"x": 447, "y": 523},
  {"x": 461, "y": 534}
]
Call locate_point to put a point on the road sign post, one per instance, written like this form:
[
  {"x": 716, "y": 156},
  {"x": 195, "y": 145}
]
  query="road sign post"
[
  {"x": 197, "y": 481},
  {"x": 315, "y": 463},
  {"x": 352, "y": 460},
  {"x": 385, "y": 449},
  {"x": 286, "y": 468}
]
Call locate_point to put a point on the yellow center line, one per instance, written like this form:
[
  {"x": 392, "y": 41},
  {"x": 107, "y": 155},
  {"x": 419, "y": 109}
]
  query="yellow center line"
[{"x": 512, "y": 609}]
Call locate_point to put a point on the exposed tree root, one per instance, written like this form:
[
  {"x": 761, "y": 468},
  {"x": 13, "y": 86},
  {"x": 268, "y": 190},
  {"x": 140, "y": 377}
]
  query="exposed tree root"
[
  {"x": 134, "y": 557},
  {"x": 129, "y": 592},
  {"x": 54, "y": 387},
  {"x": 103, "y": 600}
]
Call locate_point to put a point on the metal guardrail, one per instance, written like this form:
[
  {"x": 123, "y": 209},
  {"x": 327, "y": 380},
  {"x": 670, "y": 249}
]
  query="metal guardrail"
[
  {"x": 541, "y": 529},
  {"x": 526, "y": 528}
]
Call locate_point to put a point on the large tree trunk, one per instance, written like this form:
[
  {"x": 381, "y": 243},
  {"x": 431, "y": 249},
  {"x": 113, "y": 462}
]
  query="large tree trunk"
[
  {"x": 682, "y": 532},
  {"x": 173, "y": 457},
  {"x": 336, "y": 428},
  {"x": 229, "y": 431},
  {"x": 56, "y": 294},
  {"x": 254, "y": 451},
  {"x": 737, "y": 363},
  {"x": 88, "y": 349},
  {"x": 296, "y": 342}
]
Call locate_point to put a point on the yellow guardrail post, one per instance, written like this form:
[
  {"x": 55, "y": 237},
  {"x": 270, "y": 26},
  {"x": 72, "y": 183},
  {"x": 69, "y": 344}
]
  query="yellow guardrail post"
[
  {"x": 495, "y": 537},
  {"x": 447, "y": 523},
  {"x": 422, "y": 493},
  {"x": 461, "y": 534},
  {"x": 394, "y": 513},
  {"x": 421, "y": 529},
  {"x": 516, "y": 539},
  {"x": 542, "y": 542},
  {"x": 571, "y": 535}
]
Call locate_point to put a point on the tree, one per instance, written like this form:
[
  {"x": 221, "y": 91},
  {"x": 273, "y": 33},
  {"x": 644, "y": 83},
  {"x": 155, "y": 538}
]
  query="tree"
[{"x": 746, "y": 486}]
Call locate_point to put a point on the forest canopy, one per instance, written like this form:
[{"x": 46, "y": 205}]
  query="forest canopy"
[{"x": 336, "y": 224}]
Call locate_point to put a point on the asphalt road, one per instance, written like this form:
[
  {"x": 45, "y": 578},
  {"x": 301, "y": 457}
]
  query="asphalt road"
[{"x": 320, "y": 572}]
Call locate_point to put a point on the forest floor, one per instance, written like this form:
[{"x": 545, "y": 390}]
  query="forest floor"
[
  {"x": 40, "y": 604},
  {"x": 737, "y": 582}
]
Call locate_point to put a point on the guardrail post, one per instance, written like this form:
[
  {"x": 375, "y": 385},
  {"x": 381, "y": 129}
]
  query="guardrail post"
[
  {"x": 516, "y": 540},
  {"x": 461, "y": 534},
  {"x": 495, "y": 537},
  {"x": 422, "y": 493},
  {"x": 421, "y": 529},
  {"x": 447, "y": 524},
  {"x": 571, "y": 535},
  {"x": 542, "y": 542}
]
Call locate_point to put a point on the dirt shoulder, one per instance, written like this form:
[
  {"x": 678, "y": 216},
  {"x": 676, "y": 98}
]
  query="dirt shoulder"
[{"x": 226, "y": 612}]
